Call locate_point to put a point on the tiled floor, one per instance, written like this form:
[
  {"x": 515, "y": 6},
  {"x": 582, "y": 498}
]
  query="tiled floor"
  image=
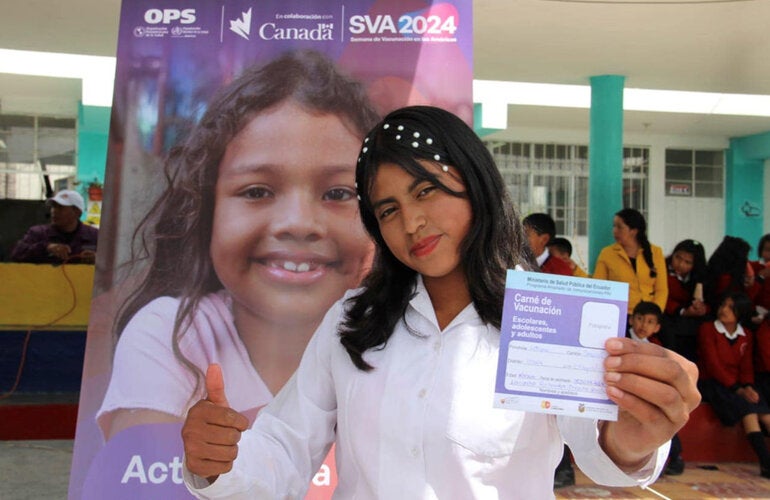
[
  {"x": 699, "y": 481},
  {"x": 35, "y": 470}
]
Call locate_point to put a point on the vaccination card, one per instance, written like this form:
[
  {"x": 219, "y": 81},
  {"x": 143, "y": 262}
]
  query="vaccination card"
[{"x": 552, "y": 343}]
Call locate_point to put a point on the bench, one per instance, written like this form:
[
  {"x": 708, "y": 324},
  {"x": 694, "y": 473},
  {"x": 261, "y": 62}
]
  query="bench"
[{"x": 705, "y": 439}]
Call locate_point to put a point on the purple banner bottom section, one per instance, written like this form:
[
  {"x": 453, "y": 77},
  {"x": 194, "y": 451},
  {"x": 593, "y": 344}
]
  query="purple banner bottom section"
[{"x": 141, "y": 462}]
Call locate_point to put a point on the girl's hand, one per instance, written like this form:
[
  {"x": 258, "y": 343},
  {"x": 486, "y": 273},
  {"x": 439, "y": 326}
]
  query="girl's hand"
[
  {"x": 749, "y": 394},
  {"x": 212, "y": 430},
  {"x": 655, "y": 390},
  {"x": 697, "y": 308},
  {"x": 689, "y": 311}
]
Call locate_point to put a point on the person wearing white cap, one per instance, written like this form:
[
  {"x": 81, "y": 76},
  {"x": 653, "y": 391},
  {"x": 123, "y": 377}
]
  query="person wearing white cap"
[{"x": 64, "y": 239}]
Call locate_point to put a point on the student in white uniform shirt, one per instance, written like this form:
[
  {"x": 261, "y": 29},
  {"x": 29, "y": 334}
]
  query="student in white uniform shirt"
[{"x": 400, "y": 374}]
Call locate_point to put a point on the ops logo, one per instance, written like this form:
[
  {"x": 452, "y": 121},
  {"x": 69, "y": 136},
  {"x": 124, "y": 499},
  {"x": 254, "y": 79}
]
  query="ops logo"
[{"x": 168, "y": 16}]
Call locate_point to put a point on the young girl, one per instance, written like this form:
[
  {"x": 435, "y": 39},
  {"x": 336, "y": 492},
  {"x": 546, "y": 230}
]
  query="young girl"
[
  {"x": 728, "y": 271},
  {"x": 256, "y": 236},
  {"x": 633, "y": 260},
  {"x": 761, "y": 269},
  {"x": 645, "y": 323},
  {"x": 686, "y": 269},
  {"x": 727, "y": 373},
  {"x": 685, "y": 308},
  {"x": 400, "y": 374},
  {"x": 561, "y": 248}
]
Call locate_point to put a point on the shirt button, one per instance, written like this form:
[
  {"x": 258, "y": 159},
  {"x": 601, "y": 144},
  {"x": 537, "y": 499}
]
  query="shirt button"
[
  {"x": 415, "y": 452},
  {"x": 437, "y": 346},
  {"x": 422, "y": 393}
]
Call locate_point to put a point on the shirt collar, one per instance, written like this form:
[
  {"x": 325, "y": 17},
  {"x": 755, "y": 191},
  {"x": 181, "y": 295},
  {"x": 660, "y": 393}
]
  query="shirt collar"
[
  {"x": 637, "y": 337},
  {"x": 421, "y": 301},
  {"x": 732, "y": 336},
  {"x": 543, "y": 257},
  {"x": 619, "y": 250},
  {"x": 681, "y": 279},
  {"x": 422, "y": 305}
]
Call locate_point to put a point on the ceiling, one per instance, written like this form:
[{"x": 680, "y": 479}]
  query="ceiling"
[{"x": 701, "y": 45}]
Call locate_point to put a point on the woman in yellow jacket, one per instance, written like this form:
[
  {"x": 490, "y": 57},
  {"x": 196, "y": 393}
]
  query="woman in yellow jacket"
[{"x": 633, "y": 260}]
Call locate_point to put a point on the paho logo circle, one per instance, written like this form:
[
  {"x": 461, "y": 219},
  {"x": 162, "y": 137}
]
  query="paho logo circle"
[{"x": 168, "y": 16}]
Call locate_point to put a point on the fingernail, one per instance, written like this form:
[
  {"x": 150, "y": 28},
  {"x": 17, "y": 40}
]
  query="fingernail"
[
  {"x": 614, "y": 343},
  {"x": 612, "y": 376},
  {"x": 615, "y": 392},
  {"x": 612, "y": 362}
]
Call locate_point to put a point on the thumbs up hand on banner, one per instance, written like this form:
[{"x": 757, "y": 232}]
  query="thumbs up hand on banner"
[
  {"x": 212, "y": 430},
  {"x": 215, "y": 386}
]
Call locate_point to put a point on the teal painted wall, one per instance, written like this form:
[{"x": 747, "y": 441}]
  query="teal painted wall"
[
  {"x": 93, "y": 133},
  {"x": 605, "y": 161},
  {"x": 744, "y": 186}
]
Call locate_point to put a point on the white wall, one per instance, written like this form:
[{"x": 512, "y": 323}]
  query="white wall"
[{"x": 670, "y": 219}]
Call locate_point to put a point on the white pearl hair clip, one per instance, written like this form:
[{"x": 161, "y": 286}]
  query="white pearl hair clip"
[
  {"x": 414, "y": 142},
  {"x": 444, "y": 168}
]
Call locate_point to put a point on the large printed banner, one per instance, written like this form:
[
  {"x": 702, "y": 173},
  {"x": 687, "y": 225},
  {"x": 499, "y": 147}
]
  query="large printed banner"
[{"x": 229, "y": 222}]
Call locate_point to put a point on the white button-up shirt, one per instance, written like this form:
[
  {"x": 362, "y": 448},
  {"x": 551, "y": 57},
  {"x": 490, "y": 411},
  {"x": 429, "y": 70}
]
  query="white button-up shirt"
[{"x": 421, "y": 425}]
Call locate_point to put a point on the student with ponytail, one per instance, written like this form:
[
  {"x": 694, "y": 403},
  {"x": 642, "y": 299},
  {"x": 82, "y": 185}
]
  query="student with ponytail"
[{"x": 634, "y": 260}]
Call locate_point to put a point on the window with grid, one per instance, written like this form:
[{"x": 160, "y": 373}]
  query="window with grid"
[
  {"x": 695, "y": 173},
  {"x": 636, "y": 167},
  {"x": 34, "y": 149},
  {"x": 553, "y": 178}
]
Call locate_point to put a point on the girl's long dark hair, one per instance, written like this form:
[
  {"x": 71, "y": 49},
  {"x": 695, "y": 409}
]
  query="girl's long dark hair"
[
  {"x": 764, "y": 240},
  {"x": 494, "y": 242},
  {"x": 729, "y": 258},
  {"x": 698, "y": 272},
  {"x": 635, "y": 220},
  {"x": 743, "y": 307},
  {"x": 173, "y": 239}
]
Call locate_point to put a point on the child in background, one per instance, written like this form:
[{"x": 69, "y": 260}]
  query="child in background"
[
  {"x": 540, "y": 228},
  {"x": 401, "y": 372},
  {"x": 761, "y": 269},
  {"x": 686, "y": 270},
  {"x": 256, "y": 236},
  {"x": 728, "y": 270},
  {"x": 645, "y": 323},
  {"x": 725, "y": 359},
  {"x": 561, "y": 248},
  {"x": 685, "y": 307}
]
